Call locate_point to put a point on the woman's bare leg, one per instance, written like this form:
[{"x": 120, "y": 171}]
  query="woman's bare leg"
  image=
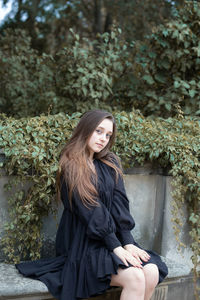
[
  {"x": 151, "y": 275},
  {"x": 132, "y": 281}
]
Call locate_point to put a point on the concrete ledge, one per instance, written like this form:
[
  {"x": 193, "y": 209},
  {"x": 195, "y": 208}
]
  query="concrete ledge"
[{"x": 14, "y": 286}]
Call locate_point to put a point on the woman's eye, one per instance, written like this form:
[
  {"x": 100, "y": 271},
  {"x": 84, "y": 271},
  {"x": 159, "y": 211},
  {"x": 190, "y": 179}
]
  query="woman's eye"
[
  {"x": 108, "y": 136},
  {"x": 98, "y": 130}
]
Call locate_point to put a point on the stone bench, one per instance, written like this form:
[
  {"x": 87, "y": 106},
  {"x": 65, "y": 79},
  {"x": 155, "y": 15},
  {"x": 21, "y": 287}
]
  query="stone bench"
[{"x": 178, "y": 285}]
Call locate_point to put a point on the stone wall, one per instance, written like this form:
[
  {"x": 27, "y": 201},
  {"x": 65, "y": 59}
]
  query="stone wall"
[{"x": 149, "y": 192}]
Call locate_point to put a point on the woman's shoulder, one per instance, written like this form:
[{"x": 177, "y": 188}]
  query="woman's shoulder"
[
  {"x": 115, "y": 160},
  {"x": 111, "y": 164},
  {"x": 111, "y": 158}
]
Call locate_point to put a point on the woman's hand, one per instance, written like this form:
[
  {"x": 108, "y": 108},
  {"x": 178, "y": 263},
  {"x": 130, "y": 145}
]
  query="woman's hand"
[
  {"x": 126, "y": 257},
  {"x": 138, "y": 253}
]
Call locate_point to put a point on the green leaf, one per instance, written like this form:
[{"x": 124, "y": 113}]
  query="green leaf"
[
  {"x": 185, "y": 84},
  {"x": 149, "y": 79},
  {"x": 165, "y": 32},
  {"x": 176, "y": 84},
  {"x": 168, "y": 106},
  {"x": 192, "y": 93},
  {"x": 160, "y": 78}
]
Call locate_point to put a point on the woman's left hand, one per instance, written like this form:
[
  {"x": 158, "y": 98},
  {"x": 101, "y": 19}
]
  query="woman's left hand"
[{"x": 138, "y": 253}]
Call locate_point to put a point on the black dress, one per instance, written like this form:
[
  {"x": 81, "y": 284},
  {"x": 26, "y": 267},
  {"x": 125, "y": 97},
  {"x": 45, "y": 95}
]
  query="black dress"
[{"x": 85, "y": 239}]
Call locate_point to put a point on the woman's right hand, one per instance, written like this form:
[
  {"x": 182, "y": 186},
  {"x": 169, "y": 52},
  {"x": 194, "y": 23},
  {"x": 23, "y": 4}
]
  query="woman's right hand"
[{"x": 126, "y": 257}]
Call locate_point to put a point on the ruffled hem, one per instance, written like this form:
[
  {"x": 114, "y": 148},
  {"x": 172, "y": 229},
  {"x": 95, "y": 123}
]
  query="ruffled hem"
[{"x": 83, "y": 278}]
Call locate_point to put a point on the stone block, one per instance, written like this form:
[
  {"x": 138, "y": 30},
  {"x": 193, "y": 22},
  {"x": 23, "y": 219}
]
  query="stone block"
[
  {"x": 169, "y": 248},
  {"x": 13, "y": 285},
  {"x": 146, "y": 194}
]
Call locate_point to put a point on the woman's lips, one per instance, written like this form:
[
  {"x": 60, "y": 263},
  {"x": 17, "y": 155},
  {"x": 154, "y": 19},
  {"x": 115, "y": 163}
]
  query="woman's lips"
[{"x": 99, "y": 145}]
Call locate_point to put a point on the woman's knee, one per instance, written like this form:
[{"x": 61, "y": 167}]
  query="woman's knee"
[
  {"x": 134, "y": 278},
  {"x": 130, "y": 277},
  {"x": 151, "y": 274}
]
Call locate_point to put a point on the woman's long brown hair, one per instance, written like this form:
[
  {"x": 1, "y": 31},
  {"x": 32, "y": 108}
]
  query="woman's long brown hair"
[{"x": 73, "y": 164}]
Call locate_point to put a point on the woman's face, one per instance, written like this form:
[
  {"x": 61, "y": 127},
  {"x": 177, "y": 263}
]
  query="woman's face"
[{"x": 100, "y": 137}]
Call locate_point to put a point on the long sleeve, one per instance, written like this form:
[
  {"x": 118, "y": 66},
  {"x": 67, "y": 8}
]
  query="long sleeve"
[
  {"x": 121, "y": 213},
  {"x": 97, "y": 219}
]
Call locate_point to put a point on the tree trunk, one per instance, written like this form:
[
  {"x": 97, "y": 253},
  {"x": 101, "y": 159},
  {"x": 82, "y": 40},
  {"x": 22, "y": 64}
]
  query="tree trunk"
[
  {"x": 108, "y": 23},
  {"x": 97, "y": 27}
]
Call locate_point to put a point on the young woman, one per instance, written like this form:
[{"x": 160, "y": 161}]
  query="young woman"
[{"x": 94, "y": 246}]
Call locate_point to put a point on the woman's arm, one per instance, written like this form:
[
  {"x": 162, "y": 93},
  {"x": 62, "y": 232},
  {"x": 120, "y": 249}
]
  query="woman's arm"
[
  {"x": 121, "y": 213},
  {"x": 98, "y": 221}
]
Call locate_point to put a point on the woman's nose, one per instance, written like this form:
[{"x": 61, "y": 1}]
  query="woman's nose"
[{"x": 103, "y": 137}]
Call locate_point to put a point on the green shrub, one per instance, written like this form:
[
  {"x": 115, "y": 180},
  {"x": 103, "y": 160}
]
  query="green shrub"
[
  {"x": 81, "y": 76},
  {"x": 156, "y": 76},
  {"x": 168, "y": 66},
  {"x": 26, "y": 79}
]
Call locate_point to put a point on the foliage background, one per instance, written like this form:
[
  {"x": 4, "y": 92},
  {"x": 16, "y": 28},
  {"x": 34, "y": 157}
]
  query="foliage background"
[
  {"x": 155, "y": 74},
  {"x": 48, "y": 21}
]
